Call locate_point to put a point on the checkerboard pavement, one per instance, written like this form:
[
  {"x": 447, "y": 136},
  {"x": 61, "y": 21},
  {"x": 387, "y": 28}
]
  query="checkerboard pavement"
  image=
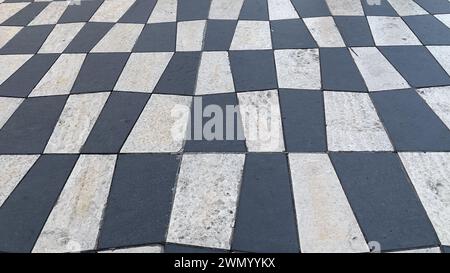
[{"x": 361, "y": 92}]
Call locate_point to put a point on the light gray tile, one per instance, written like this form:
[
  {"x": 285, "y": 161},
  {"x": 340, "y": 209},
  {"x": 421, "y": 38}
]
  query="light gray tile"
[
  {"x": 442, "y": 55},
  {"x": 214, "y": 74},
  {"x": 281, "y": 9},
  {"x": 421, "y": 251},
  {"x": 112, "y": 10},
  {"x": 51, "y": 13},
  {"x": 7, "y": 10},
  {"x": 345, "y": 7},
  {"x": 10, "y": 64},
  {"x": 251, "y": 35},
  {"x": 225, "y": 9},
  {"x": 324, "y": 31},
  {"x": 60, "y": 37},
  {"x": 121, "y": 38},
  {"x": 444, "y": 18},
  {"x": 7, "y": 33},
  {"x": 438, "y": 98},
  {"x": 7, "y": 107},
  {"x": 391, "y": 31},
  {"x": 407, "y": 7},
  {"x": 190, "y": 35},
  {"x": 164, "y": 11}
]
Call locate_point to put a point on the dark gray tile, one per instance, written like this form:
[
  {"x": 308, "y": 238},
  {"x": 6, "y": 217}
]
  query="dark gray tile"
[
  {"x": 435, "y": 6},
  {"x": 88, "y": 37},
  {"x": 422, "y": 70},
  {"x": 303, "y": 116},
  {"x": 100, "y": 72},
  {"x": 25, "y": 212},
  {"x": 28, "y": 41},
  {"x": 25, "y": 15},
  {"x": 254, "y": 10},
  {"x": 23, "y": 81},
  {"x": 115, "y": 122},
  {"x": 219, "y": 34},
  {"x": 265, "y": 219},
  {"x": 339, "y": 71},
  {"x": 140, "y": 201},
  {"x": 354, "y": 30},
  {"x": 180, "y": 75},
  {"x": 80, "y": 13},
  {"x": 174, "y": 248},
  {"x": 383, "y": 200},
  {"x": 193, "y": 10},
  {"x": 157, "y": 38},
  {"x": 139, "y": 12},
  {"x": 253, "y": 70},
  {"x": 308, "y": 8},
  {"x": 429, "y": 29},
  {"x": 381, "y": 8},
  {"x": 291, "y": 34},
  {"x": 446, "y": 249},
  {"x": 410, "y": 122}
]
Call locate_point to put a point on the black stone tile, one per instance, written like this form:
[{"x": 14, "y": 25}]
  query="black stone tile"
[
  {"x": 115, "y": 122},
  {"x": 25, "y": 212},
  {"x": 410, "y": 122},
  {"x": 265, "y": 220},
  {"x": 253, "y": 70},
  {"x": 193, "y": 10},
  {"x": 157, "y": 38},
  {"x": 378, "y": 8},
  {"x": 429, "y": 29},
  {"x": 254, "y": 10},
  {"x": 223, "y": 139},
  {"x": 23, "y": 81},
  {"x": 140, "y": 201},
  {"x": 291, "y": 34},
  {"x": 174, "y": 248},
  {"x": 219, "y": 34},
  {"x": 29, "y": 128},
  {"x": 303, "y": 116},
  {"x": 88, "y": 37},
  {"x": 180, "y": 76},
  {"x": 354, "y": 30},
  {"x": 435, "y": 6},
  {"x": 139, "y": 12},
  {"x": 308, "y": 8},
  {"x": 446, "y": 249},
  {"x": 28, "y": 41},
  {"x": 25, "y": 15},
  {"x": 383, "y": 200},
  {"x": 416, "y": 65},
  {"x": 100, "y": 72},
  {"x": 339, "y": 71},
  {"x": 80, "y": 13}
]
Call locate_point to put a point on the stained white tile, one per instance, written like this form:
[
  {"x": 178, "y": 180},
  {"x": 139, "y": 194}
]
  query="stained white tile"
[
  {"x": 251, "y": 35},
  {"x": 353, "y": 124},
  {"x": 438, "y": 98},
  {"x": 164, "y": 11},
  {"x": 391, "y": 31},
  {"x": 7, "y": 33},
  {"x": 345, "y": 7},
  {"x": 225, "y": 9},
  {"x": 214, "y": 74},
  {"x": 10, "y": 64},
  {"x": 60, "y": 77},
  {"x": 51, "y": 13},
  {"x": 444, "y": 18},
  {"x": 260, "y": 111},
  {"x": 7, "y": 107},
  {"x": 141, "y": 249},
  {"x": 143, "y": 71},
  {"x": 112, "y": 10},
  {"x": 190, "y": 35},
  {"x": 324, "y": 31},
  {"x": 281, "y": 9},
  {"x": 205, "y": 202},
  {"x": 161, "y": 127},
  {"x": 7, "y": 10},
  {"x": 430, "y": 175},
  {"x": 407, "y": 7},
  {"x": 377, "y": 71},
  {"x": 75, "y": 123},
  {"x": 121, "y": 38},
  {"x": 298, "y": 68},
  {"x": 421, "y": 251},
  {"x": 442, "y": 55},
  {"x": 326, "y": 222},
  {"x": 60, "y": 37},
  {"x": 74, "y": 222}
]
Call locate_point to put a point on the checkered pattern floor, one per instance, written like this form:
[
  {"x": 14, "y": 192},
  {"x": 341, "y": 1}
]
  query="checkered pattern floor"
[{"x": 354, "y": 154}]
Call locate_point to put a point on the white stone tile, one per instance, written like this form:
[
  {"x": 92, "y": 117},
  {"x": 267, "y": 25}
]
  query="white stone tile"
[
  {"x": 162, "y": 126},
  {"x": 438, "y": 98},
  {"x": 205, "y": 202},
  {"x": 112, "y": 10},
  {"x": 345, "y": 7},
  {"x": 377, "y": 71},
  {"x": 225, "y": 9},
  {"x": 391, "y": 31},
  {"x": 164, "y": 11},
  {"x": 407, "y": 7},
  {"x": 420, "y": 251},
  {"x": 190, "y": 35},
  {"x": 60, "y": 37},
  {"x": 10, "y": 64},
  {"x": 214, "y": 74},
  {"x": 324, "y": 31},
  {"x": 7, "y": 33},
  {"x": 298, "y": 68},
  {"x": 444, "y": 18},
  {"x": 261, "y": 118},
  {"x": 60, "y": 78},
  {"x": 281, "y": 9},
  {"x": 7, "y": 107},
  {"x": 143, "y": 71},
  {"x": 74, "y": 222},
  {"x": 121, "y": 38},
  {"x": 442, "y": 55},
  {"x": 326, "y": 222},
  {"x": 141, "y": 249},
  {"x": 430, "y": 175},
  {"x": 51, "y": 13},
  {"x": 7, "y": 10},
  {"x": 75, "y": 123},
  {"x": 353, "y": 124},
  {"x": 251, "y": 35}
]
